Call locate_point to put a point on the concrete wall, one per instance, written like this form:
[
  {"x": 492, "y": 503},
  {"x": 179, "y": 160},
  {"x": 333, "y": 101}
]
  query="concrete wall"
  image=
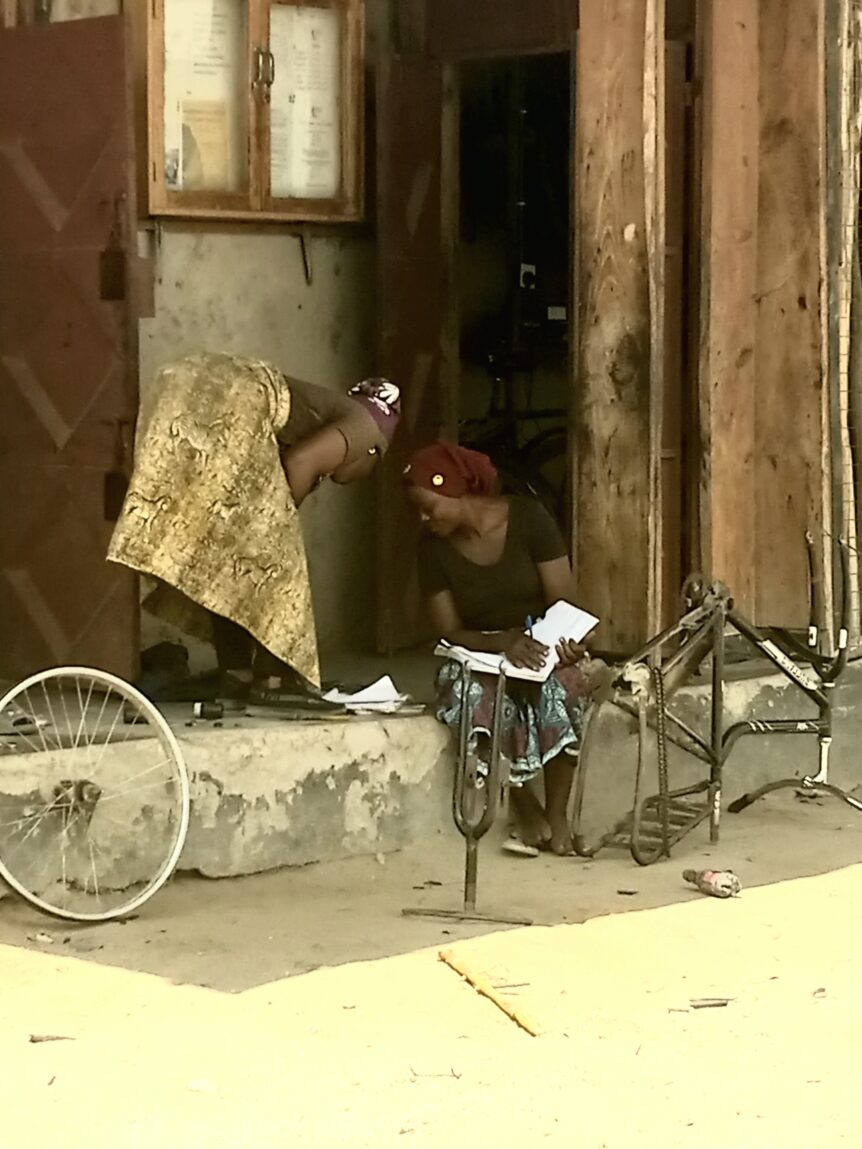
[
  {"x": 242, "y": 288},
  {"x": 268, "y": 793},
  {"x": 244, "y": 291}
]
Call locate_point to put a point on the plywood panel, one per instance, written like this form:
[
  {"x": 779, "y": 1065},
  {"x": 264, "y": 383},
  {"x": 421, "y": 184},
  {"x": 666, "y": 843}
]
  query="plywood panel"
[
  {"x": 788, "y": 410},
  {"x": 729, "y": 321},
  {"x": 612, "y": 385}
]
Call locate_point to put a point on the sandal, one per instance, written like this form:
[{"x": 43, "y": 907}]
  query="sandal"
[
  {"x": 520, "y": 849},
  {"x": 263, "y": 698}
]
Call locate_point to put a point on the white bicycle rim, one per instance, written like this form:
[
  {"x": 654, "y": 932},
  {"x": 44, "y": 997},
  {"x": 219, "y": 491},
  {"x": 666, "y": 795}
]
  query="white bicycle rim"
[{"x": 65, "y": 801}]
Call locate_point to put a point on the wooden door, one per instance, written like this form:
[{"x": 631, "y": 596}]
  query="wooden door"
[
  {"x": 417, "y": 231},
  {"x": 67, "y": 347}
]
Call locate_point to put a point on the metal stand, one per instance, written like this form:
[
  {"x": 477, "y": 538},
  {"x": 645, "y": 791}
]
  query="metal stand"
[{"x": 474, "y": 818}]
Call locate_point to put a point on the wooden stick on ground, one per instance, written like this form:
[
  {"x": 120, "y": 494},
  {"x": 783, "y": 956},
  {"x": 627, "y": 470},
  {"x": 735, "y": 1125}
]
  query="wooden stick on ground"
[{"x": 483, "y": 986}]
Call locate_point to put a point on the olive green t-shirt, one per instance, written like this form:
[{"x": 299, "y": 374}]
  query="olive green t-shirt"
[{"x": 506, "y": 593}]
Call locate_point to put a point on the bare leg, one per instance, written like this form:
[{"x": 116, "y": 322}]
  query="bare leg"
[
  {"x": 273, "y": 674},
  {"x": 233, "y": 647},
  {"x": 559, "y": 775},
  {"x": 530, "y": 816}
]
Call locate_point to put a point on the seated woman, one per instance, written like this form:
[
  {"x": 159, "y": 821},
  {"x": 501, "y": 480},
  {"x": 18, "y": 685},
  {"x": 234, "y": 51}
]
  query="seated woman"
[
  {"x": 487, "y": 565},
  {"x": 226, "y": 451}
]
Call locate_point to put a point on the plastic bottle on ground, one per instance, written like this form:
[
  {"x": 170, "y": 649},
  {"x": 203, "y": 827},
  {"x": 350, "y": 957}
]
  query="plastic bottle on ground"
[{"x": 716, "y": 883}]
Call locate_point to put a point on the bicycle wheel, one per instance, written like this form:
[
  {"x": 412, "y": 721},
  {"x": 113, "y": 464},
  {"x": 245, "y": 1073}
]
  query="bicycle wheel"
[{"x": 94, "y": 795}]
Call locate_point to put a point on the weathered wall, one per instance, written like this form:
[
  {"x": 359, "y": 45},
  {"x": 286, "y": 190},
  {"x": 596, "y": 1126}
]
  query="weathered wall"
[
  {"x": 242, "y": 288},
  {"x": 273, "y": 794},
  {"x": 245, "y": 291}
]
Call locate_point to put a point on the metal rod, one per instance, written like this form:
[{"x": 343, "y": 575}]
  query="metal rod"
[
  {"x": 459, "y": 788},
  {"x": 716, "y": 726},
  {"x": 777, "y": 657},
  {"x": 471, "y": 874},
  {"x": 768, "y": 726},
  {"x": 687, "y": 622}
]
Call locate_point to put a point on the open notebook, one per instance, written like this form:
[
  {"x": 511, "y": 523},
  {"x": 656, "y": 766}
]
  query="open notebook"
[{"x": 562, "y": 620}]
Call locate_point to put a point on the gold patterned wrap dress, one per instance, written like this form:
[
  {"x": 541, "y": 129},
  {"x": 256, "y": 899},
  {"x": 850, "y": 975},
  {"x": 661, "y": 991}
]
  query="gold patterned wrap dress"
[{"x": 209, "y": 514}]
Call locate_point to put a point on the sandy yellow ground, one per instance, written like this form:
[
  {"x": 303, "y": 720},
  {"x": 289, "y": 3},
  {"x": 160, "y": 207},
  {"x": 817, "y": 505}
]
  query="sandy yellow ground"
[{"x": 399, "y": 1051}]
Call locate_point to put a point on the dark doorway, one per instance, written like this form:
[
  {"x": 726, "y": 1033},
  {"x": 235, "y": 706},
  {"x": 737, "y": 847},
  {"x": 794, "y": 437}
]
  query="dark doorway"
[{"x": 514, "y": 270}]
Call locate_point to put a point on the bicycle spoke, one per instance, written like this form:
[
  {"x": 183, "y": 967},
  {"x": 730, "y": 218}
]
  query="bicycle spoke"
[
  {"x": 63, "y": 868},
  {"x": 93, "y": 871},
  {"x": 50, "y": 709},
  {"x": 83, "y": 707},
  {"x": 158, "y": 784},
  {"x": 65, "y": 708},
  {"x": 120, "y": 791},
  {"x": 98, "y": 723},
  {"x": 110, "y": 735},
  {"x": 34, "y": 746},
  {"x": 59, "y": 837},
  {"x": 18, "y": 821},
  {"x": 39, "y": 726},
  {"x": 48, "y": 810}
]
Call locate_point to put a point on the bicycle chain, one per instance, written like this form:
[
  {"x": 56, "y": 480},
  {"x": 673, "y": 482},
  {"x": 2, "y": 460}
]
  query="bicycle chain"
[{"x": 661, "y": 752}]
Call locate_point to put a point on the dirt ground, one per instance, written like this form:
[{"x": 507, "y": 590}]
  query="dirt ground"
[{"x": 301, "y": 1008}]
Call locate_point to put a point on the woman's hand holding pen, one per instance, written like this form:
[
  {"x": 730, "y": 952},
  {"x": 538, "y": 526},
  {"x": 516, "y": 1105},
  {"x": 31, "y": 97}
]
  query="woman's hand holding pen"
[{"x": 523, "y": 651}]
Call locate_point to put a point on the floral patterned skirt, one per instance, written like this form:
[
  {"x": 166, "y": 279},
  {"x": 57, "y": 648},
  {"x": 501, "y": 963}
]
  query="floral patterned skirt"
[{"x": 540, "y": 719}]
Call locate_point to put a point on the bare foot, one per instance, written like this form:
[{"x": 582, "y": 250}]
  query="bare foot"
[
  {"x": 561, "y": 840},
  {"x": 532, "y": 824}
]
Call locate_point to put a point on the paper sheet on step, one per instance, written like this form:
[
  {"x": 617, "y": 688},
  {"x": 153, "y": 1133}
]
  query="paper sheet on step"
[{"x": 381, "y": 696}]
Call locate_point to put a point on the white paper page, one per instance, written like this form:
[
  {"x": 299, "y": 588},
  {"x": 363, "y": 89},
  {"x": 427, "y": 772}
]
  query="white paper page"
[
  {"x": 563, "y": 620},
  {"x": 382, "y": 694},
  {"x": 206, "y": 130},
  {"x": 560, "y": 621},
  {"x": 306, "y": 102}
]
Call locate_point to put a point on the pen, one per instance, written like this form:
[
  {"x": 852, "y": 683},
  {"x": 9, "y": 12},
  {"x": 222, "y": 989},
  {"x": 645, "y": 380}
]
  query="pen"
[{"x": 529, "y": 626}]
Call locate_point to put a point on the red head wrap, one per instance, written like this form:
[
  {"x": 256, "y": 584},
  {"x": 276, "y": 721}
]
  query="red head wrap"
[{"x": 447, "y": 469}]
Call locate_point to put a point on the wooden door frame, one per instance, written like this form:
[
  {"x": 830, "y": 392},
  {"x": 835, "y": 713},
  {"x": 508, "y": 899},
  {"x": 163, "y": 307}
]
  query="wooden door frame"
[{"x": 454, "y": 33}]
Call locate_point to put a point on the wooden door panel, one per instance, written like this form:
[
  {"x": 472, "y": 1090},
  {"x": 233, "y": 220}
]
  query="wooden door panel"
[
  {"x": 62, "y": 96},
  {"x": 61, "y": 358},
  {"x": 67, "y": 355},
  {"x": 416, "y": 310}
]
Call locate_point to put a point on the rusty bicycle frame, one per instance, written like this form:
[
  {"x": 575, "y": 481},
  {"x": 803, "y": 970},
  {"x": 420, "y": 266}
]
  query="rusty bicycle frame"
[{"x": 645, "y": 683}]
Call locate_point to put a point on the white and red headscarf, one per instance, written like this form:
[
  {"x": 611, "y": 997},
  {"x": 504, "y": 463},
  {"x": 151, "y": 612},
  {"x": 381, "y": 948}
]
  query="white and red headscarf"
[{"x": 382, "y": 400}]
